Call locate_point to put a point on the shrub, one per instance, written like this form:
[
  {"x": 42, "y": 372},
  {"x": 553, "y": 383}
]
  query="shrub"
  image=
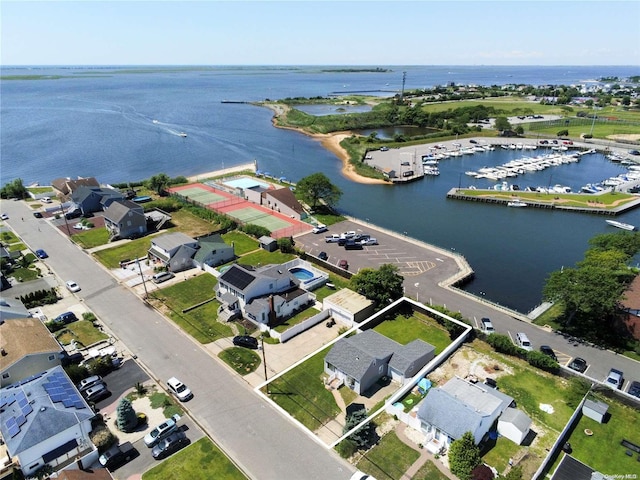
[
  {"x": 102, "y": 438},
  {"x": 346, "y": 448},
  {"x": 255, "y": 231},
  {"x": 39, "y": 297},
  {"x": 76, "y": 372},
  {"x": 503, "y": 344},
  {"x": 127, "y": 419},
  {"x": 88, "y": 316},
  {"x": 542, "y": 361}
]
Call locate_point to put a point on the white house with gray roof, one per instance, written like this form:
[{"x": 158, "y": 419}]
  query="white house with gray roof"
[
  {"x": 361, "y": 360},
  {"x": 459, "y": 406},
  {"x": 46, "y": 421},
  {"x": 173, "y": 250}
]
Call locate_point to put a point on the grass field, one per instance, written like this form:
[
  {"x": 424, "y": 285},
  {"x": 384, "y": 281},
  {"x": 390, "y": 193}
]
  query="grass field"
[
  {"x": 403, "y": 330},
  {"x": 262, "y": 257},
  {"x": 242, "y": 243},
  {"x": 199, "y": 461},
  {"x": 111, "y": 257},
  {"x": 429, "y": 472},
  {"x": 301, "y": 392},
  {"x": 242, "y": 360},
  {"x": 389, "y": 459},
  {"x": 296, "y": 319},
  {"x": 92, "y": 238},
  {"x": 201, "y": 322},
  {"x": 83, "y": 332}
]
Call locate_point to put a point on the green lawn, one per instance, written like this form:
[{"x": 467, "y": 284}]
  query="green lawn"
[
  {"x": 8, "y": 237},
  {"x": 403, "y": 330},
  {"x": 262, "y": 257},
  {"x": 602, "y": 451},
  {"x": 164, "y": 401},
  {"x": 82, "y": 332},
  {"x": 200, "y": 461},
  {"x": 242, "y": 360},
  {"x": 201, "y": 322},
  {"x": 324, "y": 291},
  {"x": 111, "y": 257},
  {"x": 92, "y": 238},
  {"x": 301, "y": 392},
  {"x": 25, "y": 274},
  {"x": 429, "y": 472},
  {"x": 242, "y": 243},
  {"x": 498, "y": 453},
  {"x": 389, "y": 459},
  {"x": 296, "y": 319}
]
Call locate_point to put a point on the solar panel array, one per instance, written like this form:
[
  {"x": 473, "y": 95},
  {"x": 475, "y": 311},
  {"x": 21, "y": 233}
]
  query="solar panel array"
[
  {"x": 14, "y": 422},
  {"x": 60, "y": 389}
]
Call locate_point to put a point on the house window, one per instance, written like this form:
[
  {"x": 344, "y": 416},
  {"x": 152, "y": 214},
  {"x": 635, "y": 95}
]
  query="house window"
[
  {"x": 52, "y": 358},
  {"x": 6, "y": 375},
  {"x": 381, "y": 369}
]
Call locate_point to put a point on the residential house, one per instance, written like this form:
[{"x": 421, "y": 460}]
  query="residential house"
[
  {"x": 259, "y": 292},
  {"x": 12, "y": 308},
  {"x": 213, "y": 251},
  {"x": 94, "y": 199},
  {"x": 348, "y": 307},
  {"x": 361, "y": 360},
  {"x": 45, "y": 420},
  {"x": 284, "y": 201},
  {"x": 89, "y": 474},
  {"x": 26, "y": 347},
  {"x": 125, "y": 219},
  {"x": 63, "y": 187},
  {"x": 459, "y": 406},
  {"x": 175, "y": 251}
]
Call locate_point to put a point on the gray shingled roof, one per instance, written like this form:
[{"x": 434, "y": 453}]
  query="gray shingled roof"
[
  {"x": 407, "y": 354},
  {"x": 169, "y": 241},
  {"x": 517, "y": 418},
  {"x": 118, "y": 209}
]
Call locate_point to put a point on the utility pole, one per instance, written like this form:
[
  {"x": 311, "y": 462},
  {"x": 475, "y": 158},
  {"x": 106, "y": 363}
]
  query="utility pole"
[
  {"x": 146, "y": 294},
  {"x": 264, "y": 362}
]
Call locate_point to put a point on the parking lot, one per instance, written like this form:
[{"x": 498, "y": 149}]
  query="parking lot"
[{"x": 416, "y": 261}]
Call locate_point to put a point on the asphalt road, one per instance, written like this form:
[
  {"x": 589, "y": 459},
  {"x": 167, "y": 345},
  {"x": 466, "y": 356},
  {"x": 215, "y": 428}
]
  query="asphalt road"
[{"x": 264, "y": 443}]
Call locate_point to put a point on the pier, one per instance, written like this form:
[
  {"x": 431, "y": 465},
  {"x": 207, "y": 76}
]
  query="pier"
[{"x": 492, "y": 196}]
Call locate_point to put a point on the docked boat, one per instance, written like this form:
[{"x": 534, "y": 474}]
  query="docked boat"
[
  {"x": 516, "y": 203},
  {"x": 431, "y": 170},
  {"x": 622, "y": 225}
]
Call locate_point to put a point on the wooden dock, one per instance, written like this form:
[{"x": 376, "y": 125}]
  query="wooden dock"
[{"x": 490, "y": 197}]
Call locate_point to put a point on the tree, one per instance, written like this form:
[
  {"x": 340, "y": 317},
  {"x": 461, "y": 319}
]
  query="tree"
[
  {"x": 502, "y": 124},
  {"x": 364, "y": 437},
  {"x": 126, "y": 419},
  {"x": 159, "y": 183},
  {"x": 464, "y": 456},
  {"x": 15, "y": 189},
  {"x": 317, "y": 188},
  {"x": 382, "y": 286}
]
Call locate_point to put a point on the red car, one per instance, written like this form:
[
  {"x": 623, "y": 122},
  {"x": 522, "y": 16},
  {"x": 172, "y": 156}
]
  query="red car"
[{"x": 343, "y": 264}]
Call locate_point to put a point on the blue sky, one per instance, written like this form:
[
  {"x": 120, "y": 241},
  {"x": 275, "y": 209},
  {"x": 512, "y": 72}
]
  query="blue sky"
[{"x": 320, "y": 33}]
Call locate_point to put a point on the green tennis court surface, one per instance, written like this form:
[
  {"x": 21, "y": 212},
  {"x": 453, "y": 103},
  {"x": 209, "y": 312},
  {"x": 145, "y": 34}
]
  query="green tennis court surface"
[
  {"x": 258, "y": 217},
  {"x": 200, "y": 195}
]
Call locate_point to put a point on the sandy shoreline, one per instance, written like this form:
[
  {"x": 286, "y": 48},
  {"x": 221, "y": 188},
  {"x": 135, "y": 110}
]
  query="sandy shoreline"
[{"x": 330, "y": 141}]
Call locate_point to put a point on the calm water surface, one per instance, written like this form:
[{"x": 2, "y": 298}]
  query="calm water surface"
[{"x": 100, "y": 122}]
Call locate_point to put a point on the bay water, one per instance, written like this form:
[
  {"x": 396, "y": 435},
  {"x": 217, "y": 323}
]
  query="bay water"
[{"x": 124, "y": 123}]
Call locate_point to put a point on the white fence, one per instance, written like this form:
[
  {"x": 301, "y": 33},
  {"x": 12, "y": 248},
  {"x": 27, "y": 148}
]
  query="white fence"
[{"x": 301, "y": 327}]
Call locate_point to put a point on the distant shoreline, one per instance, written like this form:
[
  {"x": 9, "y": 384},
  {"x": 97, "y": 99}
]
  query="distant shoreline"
[{"x": 330, "y": 141}]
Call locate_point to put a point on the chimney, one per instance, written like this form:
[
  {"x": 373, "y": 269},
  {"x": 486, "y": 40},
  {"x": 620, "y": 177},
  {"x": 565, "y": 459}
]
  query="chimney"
[
  {"x": 271, "y": 321},
  {"x": 3, "y": 352}
]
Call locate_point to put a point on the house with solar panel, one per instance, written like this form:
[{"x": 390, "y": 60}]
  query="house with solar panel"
[
  {"x": 258, "y": 292},
  {"x": 45, "y": 420},
  {"x": 26, "y": 348}
]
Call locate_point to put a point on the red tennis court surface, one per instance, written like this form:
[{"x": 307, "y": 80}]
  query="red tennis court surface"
[{"x": 246, "y": 212}]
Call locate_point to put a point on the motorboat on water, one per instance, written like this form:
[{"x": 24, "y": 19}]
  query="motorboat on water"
[
  {"x": 516, "y": 204},
  {"x": 182, "y": 134},
  {"x": 622, "y": 225}
]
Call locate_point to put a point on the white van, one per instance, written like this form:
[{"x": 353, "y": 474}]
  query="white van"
[
  {"x": 523, "y": 341},
  {"x": 162, "y": 277}
]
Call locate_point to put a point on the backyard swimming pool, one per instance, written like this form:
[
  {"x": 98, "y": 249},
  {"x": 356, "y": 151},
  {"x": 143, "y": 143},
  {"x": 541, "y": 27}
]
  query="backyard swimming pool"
[{"x": 301, "y": 273}]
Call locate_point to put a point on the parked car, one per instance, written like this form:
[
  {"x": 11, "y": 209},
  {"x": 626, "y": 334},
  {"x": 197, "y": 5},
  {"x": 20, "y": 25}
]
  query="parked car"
[
  {"x": 319, "y": 228},
  {"x": 161, "y": 431},
  {"x": 547, "y": 350},
  {"x": 117, "y": 456},
  {"x": 246, "y": 341},
  {"x": 486, "y": 326},
  {"x": 351, "y": 244},
  {"x": 368, "y": 241},
  {"x": 615, "y": 378},
  {"x": 73, "y": 214},
  {"x": 349, "y": 234},
  {"x": 384, "y": 149},
  {"x": 162, "y": 277},
  {"x": 179, "y": 389},
  {"x": 40, "y": 253},
  {"x": 96, "y": 393},
  {"x": 323, "y": 256},
  {"x": 334, "y": 238},
  {"x": 523, "y": 341},
  {"x": 343, "y": 264},
  {"x": 473, "y": 141},
  {"x": 66, "y": 317},
  {"x": 37, "y": 214},
  {"x": 490, "y": 382},
  {"x": 4, "y": 216},
  {"x": 358, "y": 475},
  {"x": 578, "y": 364},
  {"x": 87, "y": 383},
  {"x": 170, "y": 444},
  {"x": 634, "y": 389},
  {"x": 634, "y": 152},
  {"x": 72, "y": 286}
]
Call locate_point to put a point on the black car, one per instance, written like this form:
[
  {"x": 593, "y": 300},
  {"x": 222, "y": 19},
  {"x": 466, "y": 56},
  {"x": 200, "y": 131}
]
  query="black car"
[
  {"x": 66, "y": 317},
  {"x": 634, "y": 389},
  {"x": 117, "y": 456},
  {"x": 246, "y": 341},
  {"x": 37, "y": 214},
  {"x": 547, "y": 350},
  {"x": 352, "y": 245},
  {"x": 323, "y": 256},
  {"x": 170, "y": 444},
  {"x": 578, "y": 364}
]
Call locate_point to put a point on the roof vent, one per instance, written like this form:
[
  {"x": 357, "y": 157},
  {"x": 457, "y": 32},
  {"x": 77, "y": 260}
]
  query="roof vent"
[
  {"x": 3, "y": 351},
  {"x": 42, "y": 409}
]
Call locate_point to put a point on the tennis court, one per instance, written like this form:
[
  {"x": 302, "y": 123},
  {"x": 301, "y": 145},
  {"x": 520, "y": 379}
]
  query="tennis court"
[
  {"x": 201, "y": 195},
  {"x": 258, "y": 217}
]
